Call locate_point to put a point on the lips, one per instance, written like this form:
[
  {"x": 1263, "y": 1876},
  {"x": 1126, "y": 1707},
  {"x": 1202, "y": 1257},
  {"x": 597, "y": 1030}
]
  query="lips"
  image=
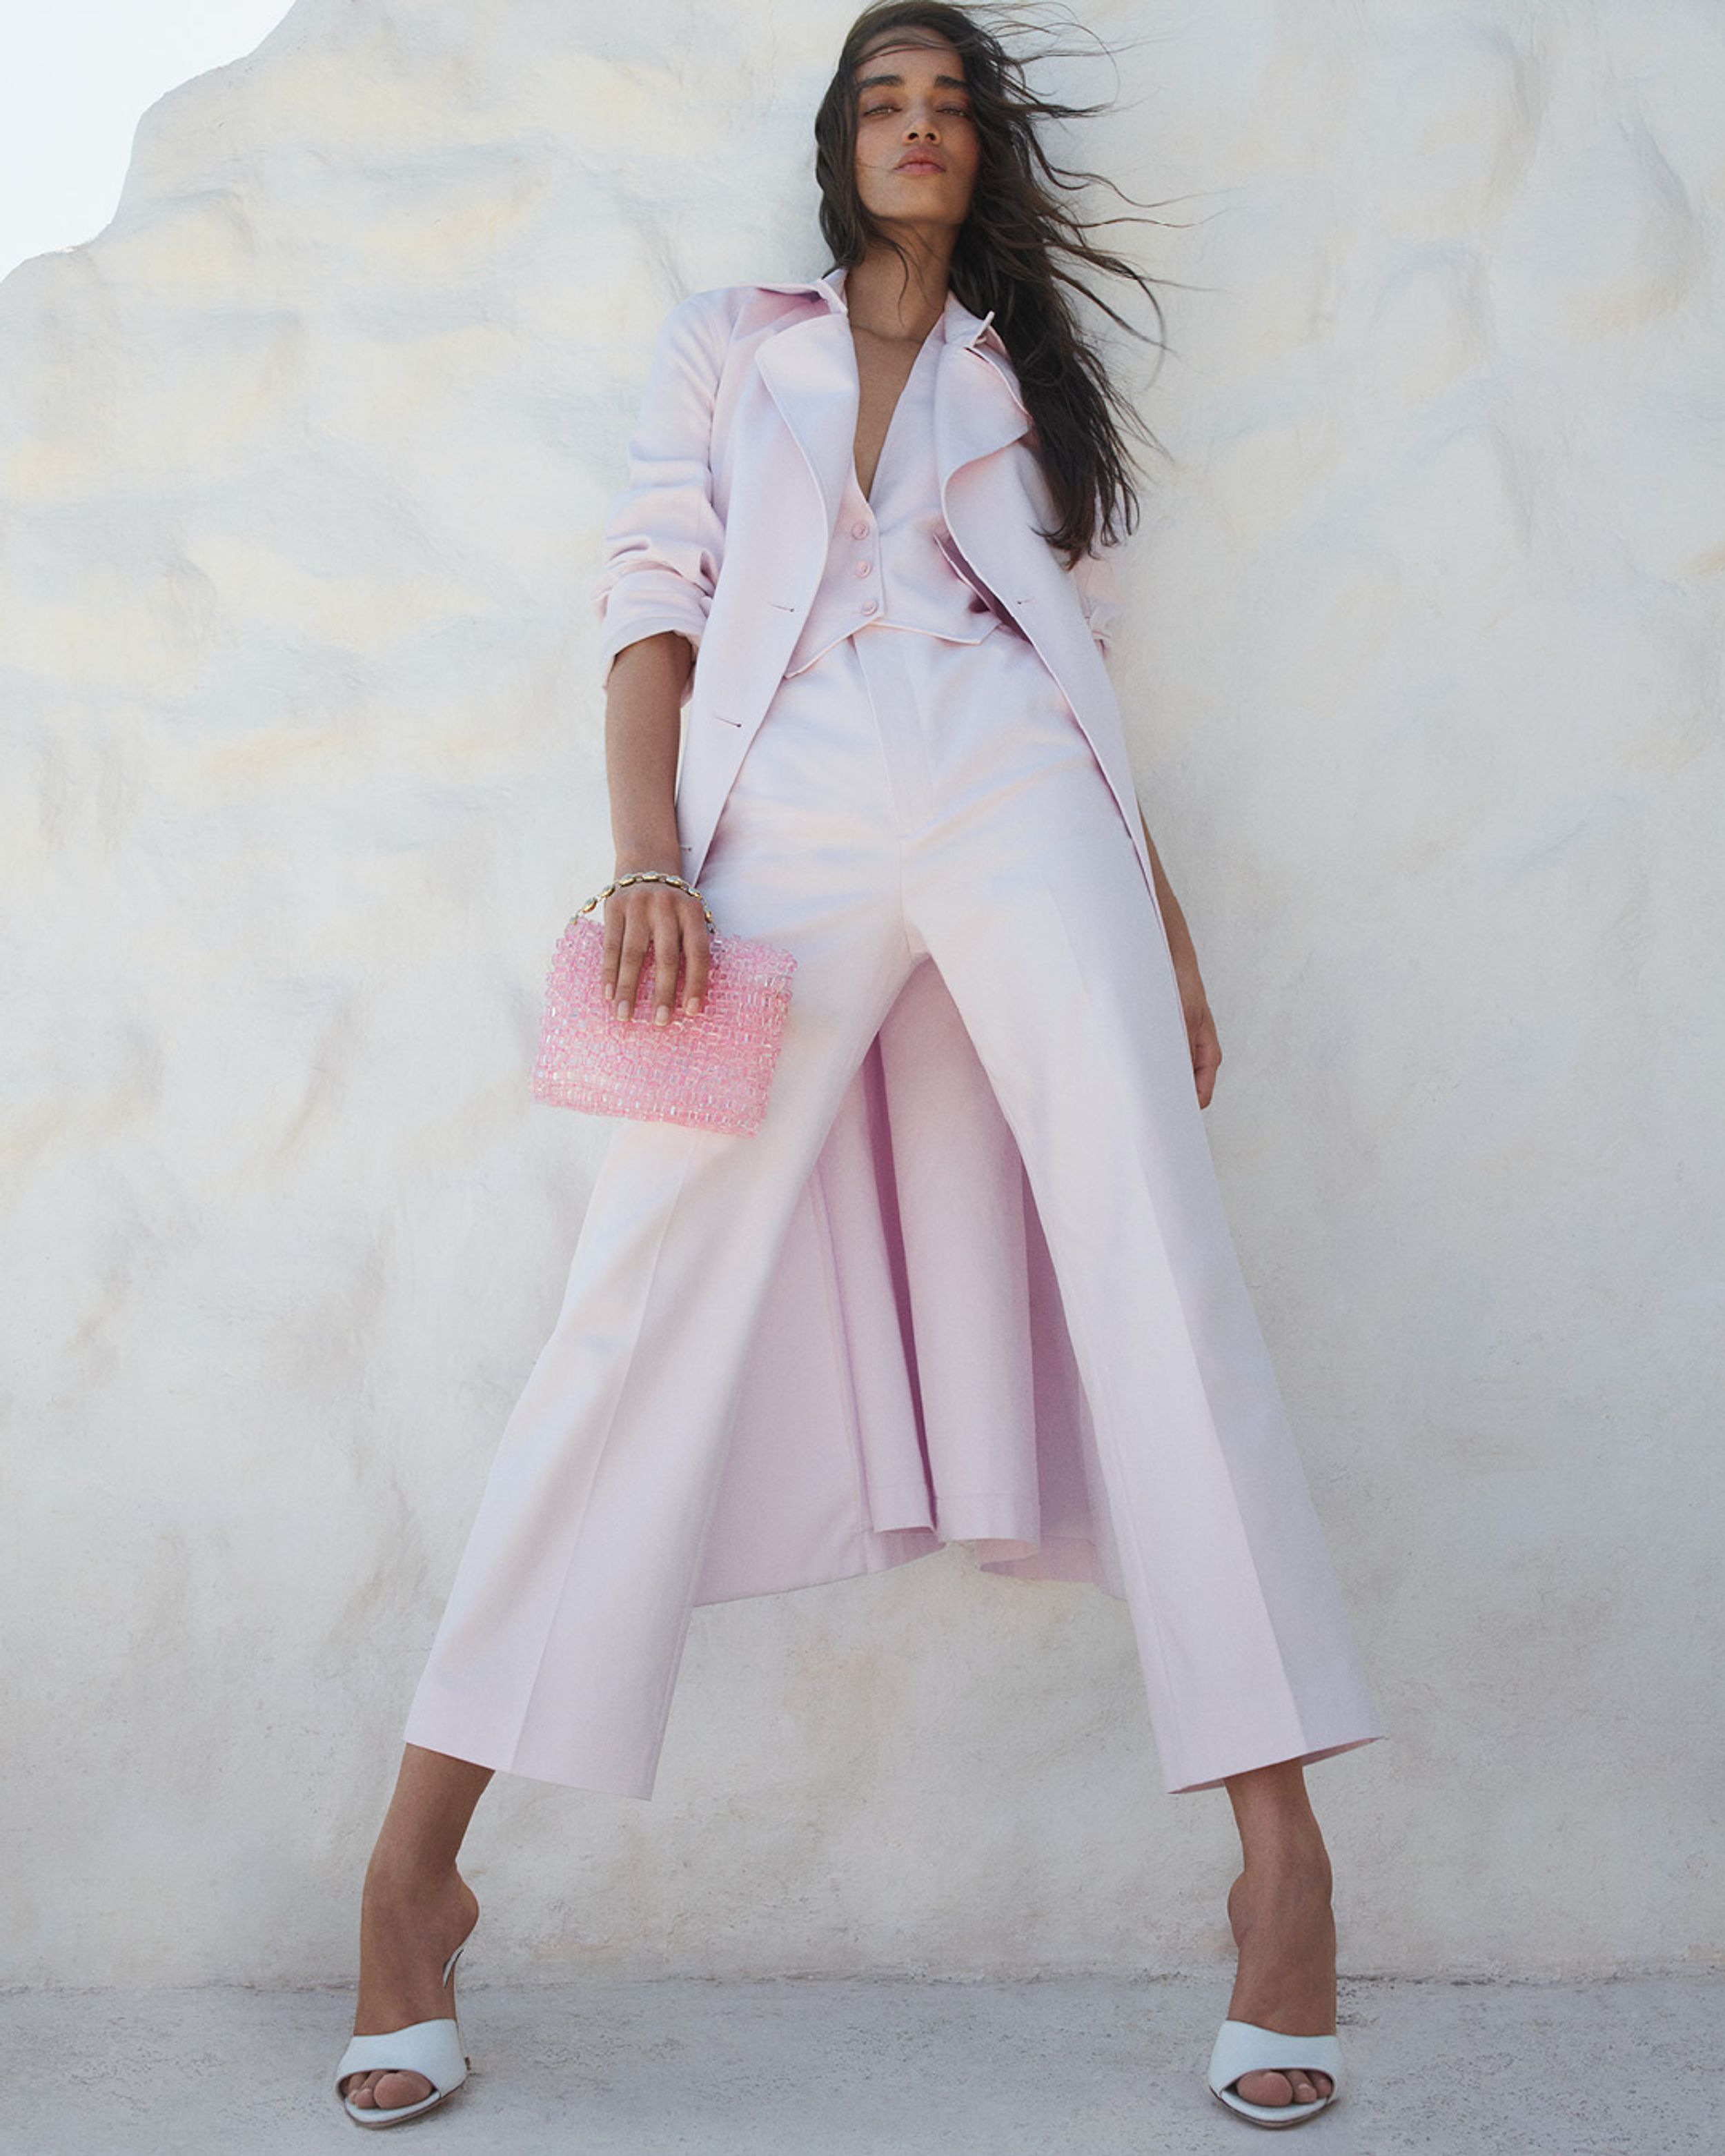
[{"x": 919, "y": 164}]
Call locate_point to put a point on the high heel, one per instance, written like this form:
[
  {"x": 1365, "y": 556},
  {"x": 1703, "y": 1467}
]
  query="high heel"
[
  {"x": 433, "y": 2049},
  {"x": 1244, "y": 2047}
]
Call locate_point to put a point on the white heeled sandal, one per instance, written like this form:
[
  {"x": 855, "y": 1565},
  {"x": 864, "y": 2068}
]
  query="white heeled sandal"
[
  {"x": 1244, "y": 2047},
  {"x": 431, "y": 2048}
]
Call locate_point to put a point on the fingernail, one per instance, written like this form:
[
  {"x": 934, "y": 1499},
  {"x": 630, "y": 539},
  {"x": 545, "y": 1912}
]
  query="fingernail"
[
  {"x": 662, "y": 1015},
  {"x": 692, "y": 1005},
  {"x": 622, "y": 1010}
]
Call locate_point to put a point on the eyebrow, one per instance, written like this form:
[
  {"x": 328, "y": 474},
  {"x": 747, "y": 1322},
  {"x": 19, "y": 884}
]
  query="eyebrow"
[{"x": 896, "y": 82}]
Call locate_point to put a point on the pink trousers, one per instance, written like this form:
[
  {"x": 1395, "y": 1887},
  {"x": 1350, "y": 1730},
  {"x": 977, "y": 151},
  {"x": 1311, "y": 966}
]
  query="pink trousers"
[{"x": 910, "y": 799}]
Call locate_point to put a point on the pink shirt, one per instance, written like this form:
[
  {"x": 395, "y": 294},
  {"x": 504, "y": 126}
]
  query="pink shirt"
[{"x": 884, "y": 562}]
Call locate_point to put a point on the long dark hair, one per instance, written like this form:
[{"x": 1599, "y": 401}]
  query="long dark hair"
[{"x": 1014, "y": 254}]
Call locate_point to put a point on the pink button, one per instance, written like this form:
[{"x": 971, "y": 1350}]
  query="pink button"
[
  {"x": 869, "y": 606},
  {"x": 859, "y": 529},
  {"x": 865, "y": 568}
]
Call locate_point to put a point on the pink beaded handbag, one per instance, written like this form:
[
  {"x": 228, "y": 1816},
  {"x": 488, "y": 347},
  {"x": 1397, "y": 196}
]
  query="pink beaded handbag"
[{"x": 712, "y": 1070}]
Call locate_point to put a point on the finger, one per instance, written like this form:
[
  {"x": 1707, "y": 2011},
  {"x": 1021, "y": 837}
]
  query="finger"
[
  {"x": 698, "y": 958},
  {"x": 1206, "y": 1059},
  {"x": 629, "y": 968},
  {"x": 611, "y": 950},
  {"x": 665, "y": 952}
]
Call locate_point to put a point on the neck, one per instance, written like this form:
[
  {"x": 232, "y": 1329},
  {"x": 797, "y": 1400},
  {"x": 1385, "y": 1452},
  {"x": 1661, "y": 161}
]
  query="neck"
[{"x": 887, "y": 298}]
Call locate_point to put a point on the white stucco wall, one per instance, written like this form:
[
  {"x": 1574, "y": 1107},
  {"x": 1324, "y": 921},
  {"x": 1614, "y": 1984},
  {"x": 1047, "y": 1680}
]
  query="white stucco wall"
[{"x": 303, "y": 462}]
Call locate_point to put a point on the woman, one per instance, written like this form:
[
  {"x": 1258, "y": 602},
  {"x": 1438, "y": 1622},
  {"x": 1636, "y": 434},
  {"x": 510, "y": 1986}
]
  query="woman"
[{"x": 881, "y": 520}]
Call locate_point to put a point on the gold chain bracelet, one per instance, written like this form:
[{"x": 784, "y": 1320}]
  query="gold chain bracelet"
[{"x": 647, "y": 875}]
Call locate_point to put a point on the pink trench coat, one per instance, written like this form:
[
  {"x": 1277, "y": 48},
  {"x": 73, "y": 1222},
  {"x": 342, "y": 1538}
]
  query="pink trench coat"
[{"x": 738, "y": 466}]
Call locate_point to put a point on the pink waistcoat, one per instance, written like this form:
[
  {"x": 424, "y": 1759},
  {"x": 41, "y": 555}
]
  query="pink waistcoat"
[{"x": 886, "y": 560}]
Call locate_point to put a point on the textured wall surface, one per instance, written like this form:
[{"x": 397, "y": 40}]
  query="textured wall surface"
[{"x": 303, "y": 462}]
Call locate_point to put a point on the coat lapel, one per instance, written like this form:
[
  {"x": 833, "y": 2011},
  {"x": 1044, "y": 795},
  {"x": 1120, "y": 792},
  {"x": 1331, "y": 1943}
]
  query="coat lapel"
[{"x": 810, "y": 373}]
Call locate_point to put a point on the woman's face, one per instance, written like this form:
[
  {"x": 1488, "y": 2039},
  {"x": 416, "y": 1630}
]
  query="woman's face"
[{"x": 916, "y": 147}]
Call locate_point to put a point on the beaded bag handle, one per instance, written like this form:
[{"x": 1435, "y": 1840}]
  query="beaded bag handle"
[{"x": 646, "y": 875}]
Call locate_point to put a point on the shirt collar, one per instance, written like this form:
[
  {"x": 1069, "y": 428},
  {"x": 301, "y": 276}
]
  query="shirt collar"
[{"x": 959, "y": 326}]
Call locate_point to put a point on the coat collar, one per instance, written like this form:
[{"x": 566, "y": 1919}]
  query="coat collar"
[{"x": 809, "y": 367}]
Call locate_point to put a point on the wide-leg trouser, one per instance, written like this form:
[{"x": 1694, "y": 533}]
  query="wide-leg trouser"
[{"x": 906, "y": 799}]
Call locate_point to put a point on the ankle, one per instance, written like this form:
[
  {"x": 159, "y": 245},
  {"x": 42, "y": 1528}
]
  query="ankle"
[
  {"x": 1283, "y": 1861},
  {"x": 404, "y": 1874}
]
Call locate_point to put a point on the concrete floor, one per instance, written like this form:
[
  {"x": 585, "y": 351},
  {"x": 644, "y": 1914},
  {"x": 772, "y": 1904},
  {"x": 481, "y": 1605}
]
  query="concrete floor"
[{"x": 873, "y": 2067}]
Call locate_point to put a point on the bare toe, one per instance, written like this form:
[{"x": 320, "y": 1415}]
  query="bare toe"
[
  {"x": 381, "y": 2090},
  {"x": 391, "y": 2090},
  {"x": 1268, "y": 2087}
]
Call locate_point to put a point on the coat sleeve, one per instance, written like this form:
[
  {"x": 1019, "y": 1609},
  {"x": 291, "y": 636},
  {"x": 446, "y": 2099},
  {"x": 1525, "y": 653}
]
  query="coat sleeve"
[
  {"x": 1097, "y": 576},
  {"x": 662, "y": 538}
]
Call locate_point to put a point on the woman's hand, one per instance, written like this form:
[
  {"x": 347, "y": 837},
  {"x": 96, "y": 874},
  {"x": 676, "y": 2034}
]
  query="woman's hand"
[
  {"x": 670, "y": 923},
  {"x": 1200, "y": 1026},
  {"x": 1200, "y": 1029}
]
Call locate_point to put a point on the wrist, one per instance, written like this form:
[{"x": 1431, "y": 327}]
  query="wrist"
[{"x": 664, "y": 858}]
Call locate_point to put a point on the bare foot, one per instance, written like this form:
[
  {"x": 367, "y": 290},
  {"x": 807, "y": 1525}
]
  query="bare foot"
[
  {"x": 410, "y": 1926},
  {"x": 1283, "y": 1925}
]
